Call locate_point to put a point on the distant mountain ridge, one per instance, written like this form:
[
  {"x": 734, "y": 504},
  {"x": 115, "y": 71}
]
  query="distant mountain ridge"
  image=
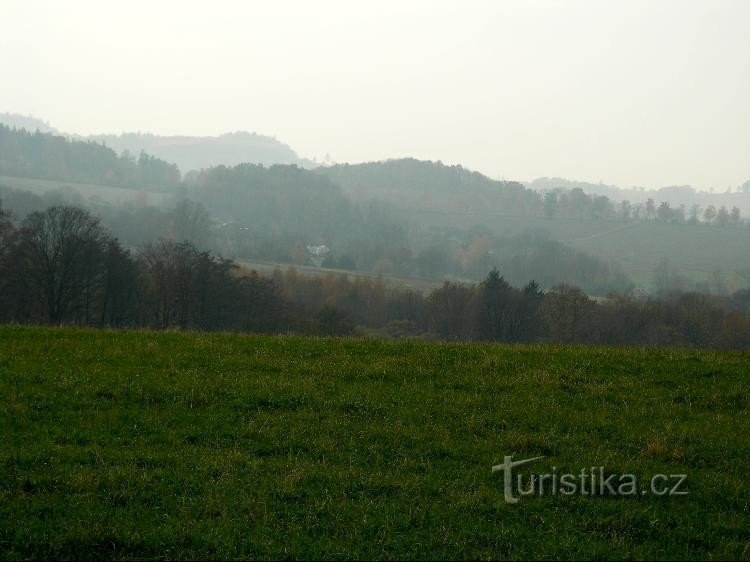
[
  {"x": 675, "y": 195},
  {"x": 197, "y": 153},
  {"x": 28, "y": 122},
  {"x": 404, "y": 181},
  {"x": 25, "y": 154},
  {"x": 187, "y": 152}
]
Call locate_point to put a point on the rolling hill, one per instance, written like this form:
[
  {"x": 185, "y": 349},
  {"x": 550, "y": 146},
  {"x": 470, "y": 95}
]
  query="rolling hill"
[
  {"x": 196, "y": 153},
  {"x": 187, "y": 152}
]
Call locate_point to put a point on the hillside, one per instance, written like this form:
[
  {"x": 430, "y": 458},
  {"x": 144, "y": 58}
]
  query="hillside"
[
  {"x": 187, "y": 152},
  {"x": 54, "y": 157},
  {"x": 695, "y": 251},
  {"x": 122, "y": 445},
  {"x": 403, "y": 217},
  {"x": 78, "y": 193},
  {"x": 675, "y": 195},
  {"x": 196, "y": 153},
  {"x": 451, "y": 198},
  {"x": 430, "y": 186},
  {"x": 28, "y": 122}
]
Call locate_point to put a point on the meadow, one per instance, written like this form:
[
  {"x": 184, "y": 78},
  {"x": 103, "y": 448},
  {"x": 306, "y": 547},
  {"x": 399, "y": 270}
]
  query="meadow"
[
  {"x": 158, "y": 445},
  {"x": 106, "y": 194}
]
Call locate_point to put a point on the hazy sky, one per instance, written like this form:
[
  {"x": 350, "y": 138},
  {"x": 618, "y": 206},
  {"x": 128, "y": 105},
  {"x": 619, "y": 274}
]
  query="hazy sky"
[{"x": 644, "y": 93}]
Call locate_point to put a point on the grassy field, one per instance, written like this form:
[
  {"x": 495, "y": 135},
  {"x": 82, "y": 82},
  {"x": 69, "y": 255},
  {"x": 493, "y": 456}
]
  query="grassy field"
[
  {"x": 267, "y": 268},
  {"x": 173, "y": 445},
  {"x": 112, "y": 195}
]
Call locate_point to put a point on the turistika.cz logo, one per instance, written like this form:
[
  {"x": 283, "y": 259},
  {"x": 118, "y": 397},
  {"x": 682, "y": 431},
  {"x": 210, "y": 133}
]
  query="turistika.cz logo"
[{"x": 590, "y": 481}]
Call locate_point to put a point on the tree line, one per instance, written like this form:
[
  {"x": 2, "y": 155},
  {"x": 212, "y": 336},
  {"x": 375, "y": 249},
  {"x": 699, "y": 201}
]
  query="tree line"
[
  {"x": 60, "y": 266},
  {"x": 53, "y": 157},
  {"x": 454, "y": 190}
]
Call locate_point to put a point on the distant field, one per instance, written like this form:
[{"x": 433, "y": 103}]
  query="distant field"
[
  {"x": 123, "y": 445},
  {"x": 267, "y": 268},
  {"x": 109, "y": 194},
  {"x": 697, "y": 251}
]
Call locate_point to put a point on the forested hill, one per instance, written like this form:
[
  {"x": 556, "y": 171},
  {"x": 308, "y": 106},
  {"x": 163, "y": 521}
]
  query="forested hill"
[
  {"x": 28, "y": 122},
  {"x": 47, "y": 156},
  {"x": 274, "y": 201},
  {"x": 196, "y": 153},
  {"x": 186, "y": 152},
  {"x": 432, "y": 185},
  {"x": 676, "y": 195},
  {"x": 402, "y": 217}
]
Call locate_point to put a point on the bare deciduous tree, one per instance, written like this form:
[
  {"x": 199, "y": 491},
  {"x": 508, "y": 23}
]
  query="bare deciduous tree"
[{"x": 62, "y": 253}]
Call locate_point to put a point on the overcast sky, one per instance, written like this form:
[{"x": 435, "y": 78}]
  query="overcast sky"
[{"x": 646, "y": 93}]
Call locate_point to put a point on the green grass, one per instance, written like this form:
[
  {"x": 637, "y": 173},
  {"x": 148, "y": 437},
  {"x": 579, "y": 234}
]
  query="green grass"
[{"x": 175, "y": 445}]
